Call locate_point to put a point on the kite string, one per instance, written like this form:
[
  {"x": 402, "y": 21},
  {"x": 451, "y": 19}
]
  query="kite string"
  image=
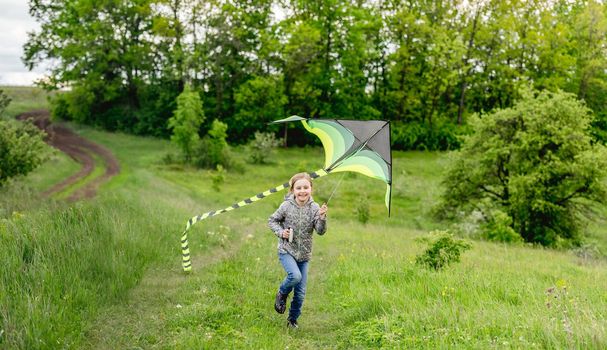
[{"x": 335, "y": 189}]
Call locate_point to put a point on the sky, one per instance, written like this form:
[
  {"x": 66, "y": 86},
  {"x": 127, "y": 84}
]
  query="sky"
[{"x": 15, "y": 22}]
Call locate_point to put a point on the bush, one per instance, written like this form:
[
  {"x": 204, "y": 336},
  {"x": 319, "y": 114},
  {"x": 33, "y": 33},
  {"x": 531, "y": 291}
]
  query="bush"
[
  {"x": 535, "y": 162},
  {"x": 362, "y": 210},
  {"x": 443, "y": 249},
  {"x": 213, "y": 150},
  {"x": 499, "y": 228},
  {"x": 75, "y": 105},
  {"x": 60, "y": 107},
  {"x": 218, "y": 178},
  {"x": 589, "y": 252},
  {"x": 22, "y": 149},
  {"x": 261, "y": 147}
]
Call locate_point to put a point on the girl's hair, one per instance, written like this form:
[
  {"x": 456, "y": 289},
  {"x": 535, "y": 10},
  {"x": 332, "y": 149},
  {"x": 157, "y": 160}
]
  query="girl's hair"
[{"x": 298, "y": 177}]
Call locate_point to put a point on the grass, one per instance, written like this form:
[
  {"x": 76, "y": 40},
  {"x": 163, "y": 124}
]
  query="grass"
[
  {"x": 24, "y": 99},
  {"x": 58, "y": 167},
  {"x": 24, "y": 194},
  {"x": 106, "y": 273},
  {"x": 98, "y": 170}
]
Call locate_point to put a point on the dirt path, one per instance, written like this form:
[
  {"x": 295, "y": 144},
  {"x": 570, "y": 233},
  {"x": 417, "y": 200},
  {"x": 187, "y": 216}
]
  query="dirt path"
[{"x": 80, "y": 149}]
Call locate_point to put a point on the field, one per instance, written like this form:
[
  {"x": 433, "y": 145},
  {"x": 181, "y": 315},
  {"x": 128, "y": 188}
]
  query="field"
[{"x": 105, "y": 273}]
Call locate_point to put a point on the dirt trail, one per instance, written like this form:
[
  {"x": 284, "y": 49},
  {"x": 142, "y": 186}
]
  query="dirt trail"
[{"x": 80, "y": 149}]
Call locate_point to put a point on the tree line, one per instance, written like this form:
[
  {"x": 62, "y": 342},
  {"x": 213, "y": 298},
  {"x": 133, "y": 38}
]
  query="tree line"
[{"x": 425, "y": 65}]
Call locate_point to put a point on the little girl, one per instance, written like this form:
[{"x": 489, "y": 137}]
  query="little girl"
[{"x": 297, "y": 216}]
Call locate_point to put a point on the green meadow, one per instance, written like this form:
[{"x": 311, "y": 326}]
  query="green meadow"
[{"x": 106, "y": 273}]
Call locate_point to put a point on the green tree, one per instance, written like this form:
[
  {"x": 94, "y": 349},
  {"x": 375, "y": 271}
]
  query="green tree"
[
  {"x": 103, "y": 51},
  {"x": 186, "y": 121},
  {"x": 258, "y": 102},
  {"x": 301, "y": 69},
  {"x": 22, "y": 149},
  {"x": 327, "y": 58},
  {"x": 356, "y": 52},
  {"x": 426, "y": 65},
  {"x": 237, "y": 45},
  {"x": 535, "y": 162}
]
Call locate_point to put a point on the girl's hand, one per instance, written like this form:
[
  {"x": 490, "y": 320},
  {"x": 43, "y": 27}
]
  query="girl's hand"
[
  {"x": 322, "y": 212},
  {"x": 285, "y": 233}
]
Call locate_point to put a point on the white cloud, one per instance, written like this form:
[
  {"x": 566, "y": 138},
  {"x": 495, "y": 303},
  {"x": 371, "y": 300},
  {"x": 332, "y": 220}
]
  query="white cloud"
[{"x": 15, "y": 23}]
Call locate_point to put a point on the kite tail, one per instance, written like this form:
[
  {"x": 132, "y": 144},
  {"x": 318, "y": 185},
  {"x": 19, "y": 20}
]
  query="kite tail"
[{"x": 185, "y": 250}]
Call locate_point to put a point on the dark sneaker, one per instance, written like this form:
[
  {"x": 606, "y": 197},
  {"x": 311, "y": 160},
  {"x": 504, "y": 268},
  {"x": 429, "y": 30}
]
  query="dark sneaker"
[
  {"x": 292, "y": 324},
  {"x": 280, "y": 303}
]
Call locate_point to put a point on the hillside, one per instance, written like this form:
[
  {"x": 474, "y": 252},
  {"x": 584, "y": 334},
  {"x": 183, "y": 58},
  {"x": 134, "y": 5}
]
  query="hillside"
[{"x": 105, "y": 273}]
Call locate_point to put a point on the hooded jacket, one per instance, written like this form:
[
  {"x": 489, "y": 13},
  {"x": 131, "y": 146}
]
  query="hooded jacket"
[{"x": 303, "y": 220}]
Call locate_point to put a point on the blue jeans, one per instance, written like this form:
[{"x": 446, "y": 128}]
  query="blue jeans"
[{"x": 296, "y": 280}]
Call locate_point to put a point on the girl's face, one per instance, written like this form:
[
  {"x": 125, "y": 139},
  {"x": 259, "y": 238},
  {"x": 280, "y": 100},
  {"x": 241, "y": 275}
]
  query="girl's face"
[{"x": 302, "y": 189}]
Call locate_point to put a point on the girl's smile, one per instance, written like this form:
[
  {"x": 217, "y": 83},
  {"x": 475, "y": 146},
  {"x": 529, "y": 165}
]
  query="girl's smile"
[{"x": 302, "y": 189}]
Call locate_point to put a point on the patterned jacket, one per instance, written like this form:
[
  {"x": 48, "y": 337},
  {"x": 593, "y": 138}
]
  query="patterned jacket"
[{"x": 303, "y": 220}]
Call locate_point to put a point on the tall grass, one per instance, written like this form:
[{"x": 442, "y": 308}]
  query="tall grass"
[{"x": 61, "y": 263}]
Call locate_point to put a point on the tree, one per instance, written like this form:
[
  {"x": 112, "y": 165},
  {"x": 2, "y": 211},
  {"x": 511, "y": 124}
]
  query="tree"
[
  {"x": 301, "y": 70},
  {"x": 535, "y": 162},
  {"x": 103, "y": 51},
  {"x": 186, "y": 121},
  {"x": 258, "y": 102},
  {"x": 238, "y": 36},
  {"x": 22, "y": 149}
]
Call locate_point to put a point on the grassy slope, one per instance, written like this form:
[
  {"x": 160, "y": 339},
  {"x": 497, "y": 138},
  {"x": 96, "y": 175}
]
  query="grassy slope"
[
  {"x": 364, "y": 290},
  {"x": 118, "y": 279}
]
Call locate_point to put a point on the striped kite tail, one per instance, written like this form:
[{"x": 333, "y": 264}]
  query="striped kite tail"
[{"x": 185, "y": 249}]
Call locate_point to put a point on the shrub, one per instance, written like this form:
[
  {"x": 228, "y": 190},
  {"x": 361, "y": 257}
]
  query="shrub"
[
  {"x": 208, "y": 153},
  {"x": 22, "y": 149},
  {"x": 443, "y": 249},
  {"x": 469, "y": 225},
  {"x": 499, "y": 228},
  {"x": 261, "y": 147},
  {"x": 213, "y": 150},
  {"x": 75, "y": 105},
  {"x": 218, "y": 178},
  {"x": 362, "y": 210},
  {"x": 60, "y": 107},
  {"x": 589, "y": 251}
]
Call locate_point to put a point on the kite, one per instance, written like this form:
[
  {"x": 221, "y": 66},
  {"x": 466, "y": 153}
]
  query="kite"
[{"x": 361, "y": 146}]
